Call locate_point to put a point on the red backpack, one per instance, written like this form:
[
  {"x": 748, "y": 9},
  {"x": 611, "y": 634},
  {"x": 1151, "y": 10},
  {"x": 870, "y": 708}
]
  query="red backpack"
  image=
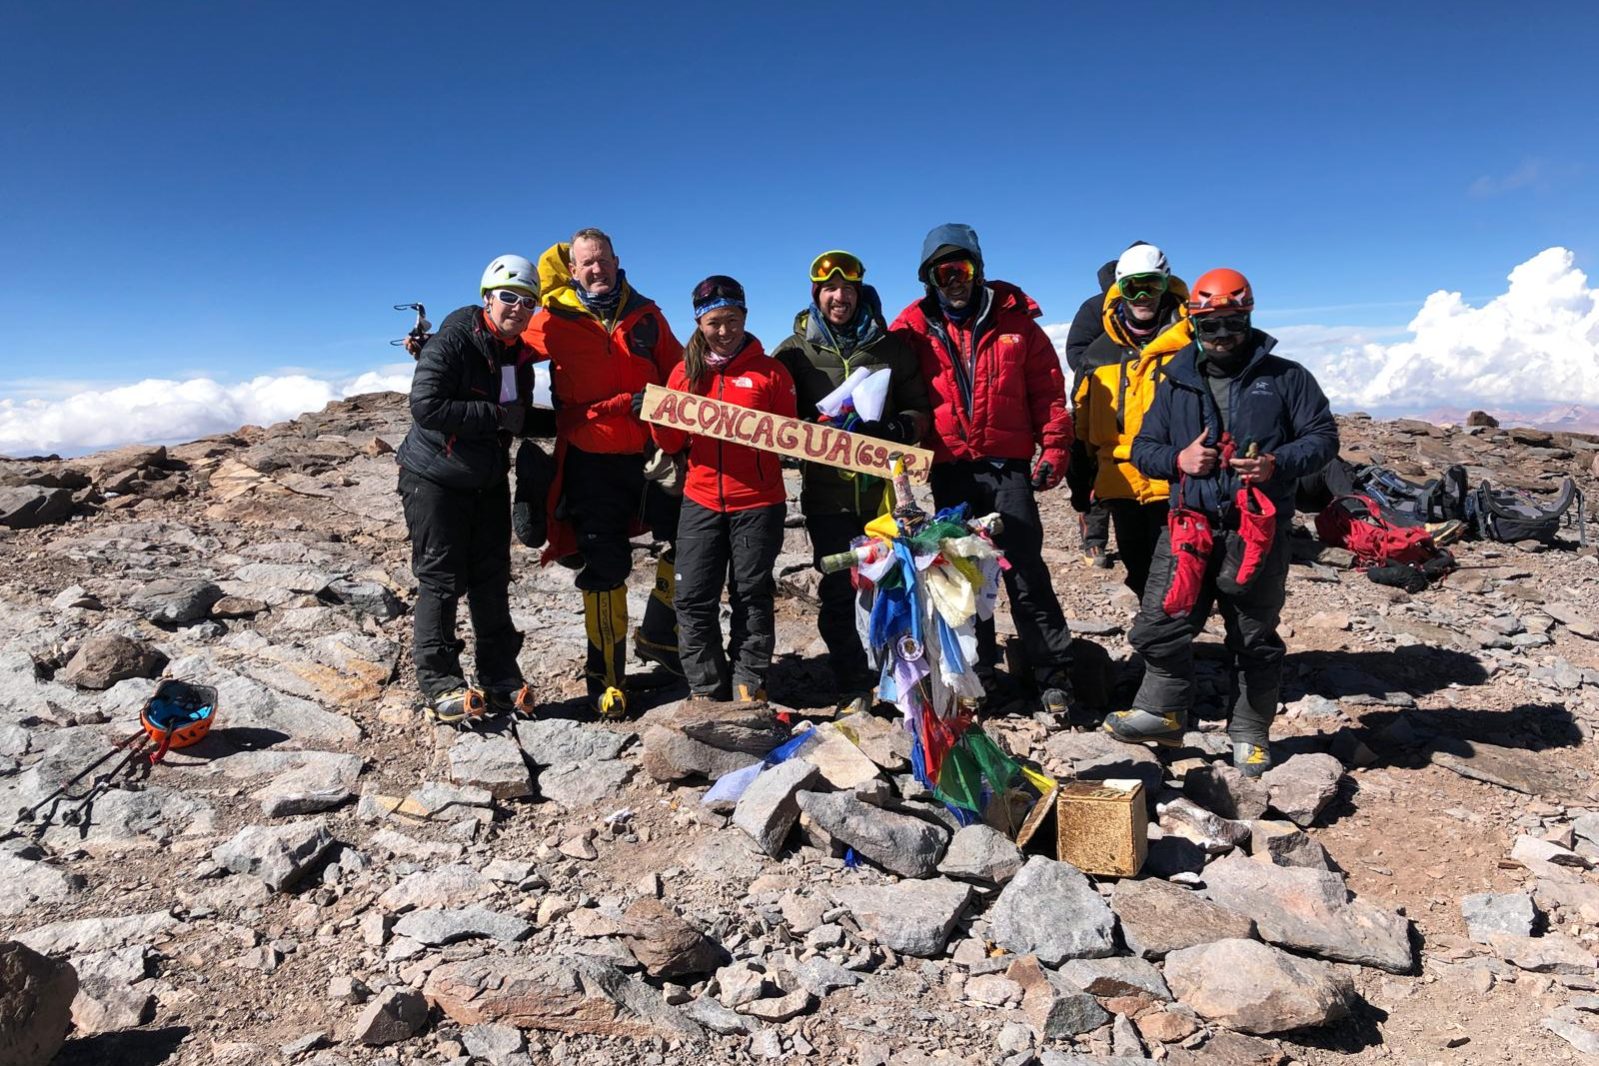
[{"x": 1356, "y": 523}]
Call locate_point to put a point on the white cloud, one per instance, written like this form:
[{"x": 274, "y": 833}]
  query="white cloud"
[
  {"x": 1537, "y": 343},
  {"x": 165, "y": 411}
]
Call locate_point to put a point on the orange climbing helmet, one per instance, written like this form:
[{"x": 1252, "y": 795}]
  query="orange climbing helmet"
[{"x": 1221, "y": 291}]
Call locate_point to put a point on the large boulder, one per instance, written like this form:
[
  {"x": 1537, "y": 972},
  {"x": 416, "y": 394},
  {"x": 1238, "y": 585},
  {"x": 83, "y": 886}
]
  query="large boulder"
[
  {"x": 564, "y": 994},
  {"x": 1050, "y": 910},
  {"x": 1255, "y": 988},
  {"x": 900, "y": 843},
  {"x": 36, "y": 996},
  {"x": 1310, "y": 911},
  {"x": 27, "y": 506},
  {"x": 1158, "y": 917},
  {"x": 912, "y": 917},
  {"x": 106, "y": 658}
]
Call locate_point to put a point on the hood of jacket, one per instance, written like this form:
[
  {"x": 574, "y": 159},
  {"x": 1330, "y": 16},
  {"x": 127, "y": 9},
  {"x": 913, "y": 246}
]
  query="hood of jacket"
[
  {"x": 1107, "y": 275},
  {"x": 558, "y": 289},
  {"x": 812, "y": 327},
  {"x": 954, "y": 234}
]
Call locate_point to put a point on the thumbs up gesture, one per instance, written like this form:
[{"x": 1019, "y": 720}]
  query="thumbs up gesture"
[{"x": 1198, "y": 459}]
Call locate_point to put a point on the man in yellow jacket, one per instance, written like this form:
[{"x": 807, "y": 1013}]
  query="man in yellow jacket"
[{"x": 1146, "y": 323}]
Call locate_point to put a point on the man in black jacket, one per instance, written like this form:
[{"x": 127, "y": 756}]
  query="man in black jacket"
[
  {"x": 1088, "y": 325},
  {"x": 1228, "y": 415},
  {"x": 470, "y": 395}
]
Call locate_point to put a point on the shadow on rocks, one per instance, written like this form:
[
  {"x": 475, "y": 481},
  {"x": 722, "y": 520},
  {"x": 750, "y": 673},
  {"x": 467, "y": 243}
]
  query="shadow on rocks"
[
  {"x": 1361, "y": 1030},
  {"x": 1415, "y": 670},
  {"x": 130, "y": 1047}
]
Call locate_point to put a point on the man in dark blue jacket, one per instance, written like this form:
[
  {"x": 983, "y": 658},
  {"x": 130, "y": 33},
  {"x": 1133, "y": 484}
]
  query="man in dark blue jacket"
[
  {"x": 1228, "y": 414},
  {"x": 470, "y": 395}
]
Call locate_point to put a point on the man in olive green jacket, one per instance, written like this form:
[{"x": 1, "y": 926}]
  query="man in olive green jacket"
[{"x": 843, "y": 331}]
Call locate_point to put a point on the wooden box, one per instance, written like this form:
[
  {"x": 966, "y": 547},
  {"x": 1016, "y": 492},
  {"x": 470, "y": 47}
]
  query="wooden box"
[{"x": 1100, "y": 827}]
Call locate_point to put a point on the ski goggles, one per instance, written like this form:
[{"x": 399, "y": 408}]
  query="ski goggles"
[
  {"x": 718, "y": 290},
  {"x": 1213, "y": 327},
  {"x": 953, "y": 272},
  {"x": 1139, "y": 286},
  {"x": 842, "y": 264},
  {"x": 520, "y": 299}
]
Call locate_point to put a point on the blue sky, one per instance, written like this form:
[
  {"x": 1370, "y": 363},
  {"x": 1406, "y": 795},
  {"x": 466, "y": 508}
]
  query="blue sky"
[{"x": 231, "y": 190}]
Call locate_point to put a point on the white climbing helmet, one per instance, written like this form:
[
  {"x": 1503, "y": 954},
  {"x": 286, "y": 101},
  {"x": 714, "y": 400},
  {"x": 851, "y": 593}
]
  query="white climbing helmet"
[
  {"x": 1142, "y": 259},
  {"x": 510, "y": 272}
]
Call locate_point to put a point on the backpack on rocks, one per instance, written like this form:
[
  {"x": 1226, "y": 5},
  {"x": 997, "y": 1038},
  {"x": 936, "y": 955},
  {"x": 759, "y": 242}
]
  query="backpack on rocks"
[
  {"x": 1438, "y": 499},
  {"x": 1358, "y": 523},
  {"x": 1510, "y": 515}
]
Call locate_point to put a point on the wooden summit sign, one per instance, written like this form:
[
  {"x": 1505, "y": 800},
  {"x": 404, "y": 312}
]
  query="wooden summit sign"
[{"x": 811, "y": 441}]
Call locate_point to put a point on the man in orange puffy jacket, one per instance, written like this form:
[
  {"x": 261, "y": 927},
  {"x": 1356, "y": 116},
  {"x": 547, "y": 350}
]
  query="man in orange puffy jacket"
[
  {"x": 1001, "y": 432},
  {"x": 605, "y": 343}
]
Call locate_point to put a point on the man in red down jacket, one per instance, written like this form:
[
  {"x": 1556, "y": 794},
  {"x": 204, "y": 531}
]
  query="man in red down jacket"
[{"x": 1001, "y": 432}]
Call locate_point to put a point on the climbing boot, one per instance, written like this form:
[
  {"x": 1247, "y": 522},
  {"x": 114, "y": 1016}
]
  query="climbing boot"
[
  {"x": 512, "y": 699},
  {"x": 605, "y": 621},
  {"x": 1251, "y": 759},
  {"x": 655, "y": 640},
  {"x": 462, "y": 706},
  {"x": 1136, "y": 726},
  {"x": 748, "y": 694}
]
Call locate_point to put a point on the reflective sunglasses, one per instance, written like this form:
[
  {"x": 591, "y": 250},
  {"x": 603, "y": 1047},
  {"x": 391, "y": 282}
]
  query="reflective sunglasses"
[
  {"x": 1214, "y": 326},
  {"x": 954, "y": 272},
  {"x": 845, "y": 265},
  {"x": 1137, "y": 286},
  {"x": 521, "y": 299},
  {"x": 718, "y": 287}
]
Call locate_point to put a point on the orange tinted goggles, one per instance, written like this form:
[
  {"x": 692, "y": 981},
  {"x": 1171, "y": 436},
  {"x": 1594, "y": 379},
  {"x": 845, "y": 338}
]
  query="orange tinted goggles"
[{"x": 842, "y": 264}]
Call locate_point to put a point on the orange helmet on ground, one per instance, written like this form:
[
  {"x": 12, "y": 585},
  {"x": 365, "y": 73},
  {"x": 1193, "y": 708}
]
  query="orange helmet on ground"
[{"x": 1221, "y": 290}]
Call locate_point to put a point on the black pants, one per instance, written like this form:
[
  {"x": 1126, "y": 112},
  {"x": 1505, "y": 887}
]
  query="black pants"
[
  {"x": 830, "y": 534},
  {"x": 1167, "y": 644},
  {"x": 461, "y": 544},
  {"x": 1138, "y": 528},
  {"x": 1033, "y": 606},
  {"x": 1096, "y": 526},
  {"x": 604, "y": 496},
  {"x": 737, "y": 548}
]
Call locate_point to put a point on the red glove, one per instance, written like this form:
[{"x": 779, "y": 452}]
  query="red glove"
[{"x": 1049, "y": 469}]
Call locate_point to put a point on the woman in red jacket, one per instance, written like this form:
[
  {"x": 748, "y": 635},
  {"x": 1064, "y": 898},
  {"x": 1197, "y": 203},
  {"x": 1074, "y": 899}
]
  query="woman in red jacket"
[{"x": 733, "y": 503}]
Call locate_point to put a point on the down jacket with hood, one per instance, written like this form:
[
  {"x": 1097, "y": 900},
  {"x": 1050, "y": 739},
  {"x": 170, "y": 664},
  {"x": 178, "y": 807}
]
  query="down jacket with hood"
[
  {"x": 999, "y": 392},
  {"x": 814, "y": 358},
  {"x": 461, "y": 373},
  {"x": 596, "y": 366},
  {"x": 1115, "y": 388},
  {"x": 732, "y": 477},
  {"x": 1276, "y": 403}
]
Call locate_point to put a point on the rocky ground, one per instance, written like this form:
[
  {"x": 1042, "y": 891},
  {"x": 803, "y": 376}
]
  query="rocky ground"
[{"x": 326, "y": 879}]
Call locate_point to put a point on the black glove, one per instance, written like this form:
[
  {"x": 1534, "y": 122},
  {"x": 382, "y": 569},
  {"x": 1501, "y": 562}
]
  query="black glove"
[
  {"x": 896, "y": 428},
  {"x": 638, "y": 404},
  {"x": 513, "y": 416},
  {"x": 529, "y": 523},
  {"x": 1044, "y": 476}
]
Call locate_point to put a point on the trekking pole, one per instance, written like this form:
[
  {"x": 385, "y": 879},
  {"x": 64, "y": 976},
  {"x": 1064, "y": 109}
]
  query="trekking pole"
[
  {"x": 74, "y": 815},
  {"x": 27, "y": 814},
  {"x": 419, "y": 331}
]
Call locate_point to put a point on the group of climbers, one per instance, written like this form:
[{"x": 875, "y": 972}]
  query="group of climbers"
[{"x": 1184, "y": 421}]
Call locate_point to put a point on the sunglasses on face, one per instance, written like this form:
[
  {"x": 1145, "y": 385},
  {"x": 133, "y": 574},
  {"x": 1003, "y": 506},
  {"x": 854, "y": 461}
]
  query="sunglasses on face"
[
  {"x": 718, "y": 287},
  {"x": 1136, "y": 286},
  {"x": 521, "y": 299},
  {"x": 842, "y": 264},
  {"x": 954, "y": 272},
  {"x": 1215, "y": 326}
]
